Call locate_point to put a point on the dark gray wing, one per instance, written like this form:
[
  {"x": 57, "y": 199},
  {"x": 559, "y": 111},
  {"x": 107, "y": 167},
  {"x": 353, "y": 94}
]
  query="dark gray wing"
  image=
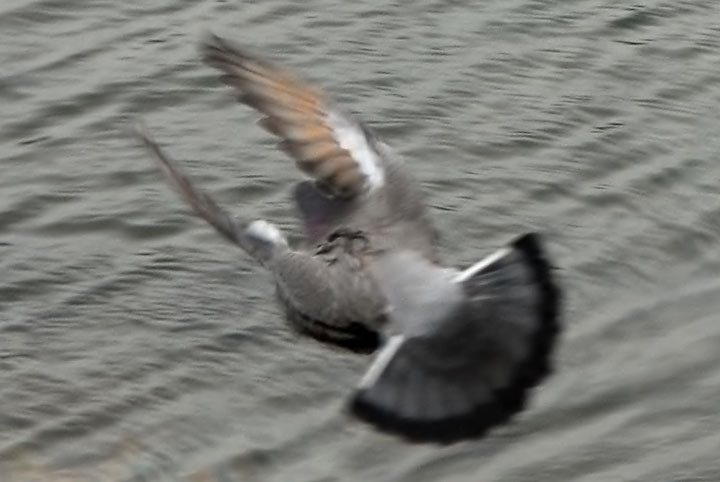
[
  {"x": 259, "y": 238},
  {"x": 328, "y": 297},
  {"x": 453, "y": 369}
]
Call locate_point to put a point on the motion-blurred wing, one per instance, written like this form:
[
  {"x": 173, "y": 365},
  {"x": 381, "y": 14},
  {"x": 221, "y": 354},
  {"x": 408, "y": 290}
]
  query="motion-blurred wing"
[
  {"x": 466, "y": 361},
  {"x": 325, "y": 143},
  {"x": 258, "y": 238},
  {"x": 325, "y": 301}
]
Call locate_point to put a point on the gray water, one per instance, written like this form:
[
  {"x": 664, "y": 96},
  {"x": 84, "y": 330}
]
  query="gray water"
[{"x": 135, "y": 345}]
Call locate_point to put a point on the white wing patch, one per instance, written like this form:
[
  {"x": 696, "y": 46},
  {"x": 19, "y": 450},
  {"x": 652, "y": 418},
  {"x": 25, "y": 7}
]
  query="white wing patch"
[
  {"x": 352, "y": 139},
  {"x": 265, "y": 231}
]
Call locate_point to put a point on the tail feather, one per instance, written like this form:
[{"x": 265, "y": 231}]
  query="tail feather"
[
  {"x": 476, "y": 369},
  {"x": 430, "y": 408}
]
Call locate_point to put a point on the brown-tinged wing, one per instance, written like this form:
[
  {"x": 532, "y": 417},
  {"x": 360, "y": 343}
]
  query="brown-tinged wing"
[{"x": 325, "y": 143}]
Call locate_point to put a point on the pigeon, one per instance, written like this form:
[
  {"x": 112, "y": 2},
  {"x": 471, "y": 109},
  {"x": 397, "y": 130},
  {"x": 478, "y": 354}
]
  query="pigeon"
[{"x": 457, "y": 351}]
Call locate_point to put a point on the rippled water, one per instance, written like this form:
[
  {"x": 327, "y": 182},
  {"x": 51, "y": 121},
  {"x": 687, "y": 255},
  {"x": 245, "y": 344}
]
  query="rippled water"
[{"x": 136, "y": 345}]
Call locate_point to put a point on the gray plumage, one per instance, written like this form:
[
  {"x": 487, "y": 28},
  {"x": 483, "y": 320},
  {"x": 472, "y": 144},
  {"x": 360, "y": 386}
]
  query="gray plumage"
[{"x": 460, "y": 349}]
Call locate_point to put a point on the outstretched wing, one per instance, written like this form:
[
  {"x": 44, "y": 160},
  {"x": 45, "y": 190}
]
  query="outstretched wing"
[
  {"x": 357, "y": 180},
  {"x": 334, "y": 303},
  {"x": 258, "y": 238},
  {"x": 467, "y": 359},
  {"x": 325, "y": 143}
]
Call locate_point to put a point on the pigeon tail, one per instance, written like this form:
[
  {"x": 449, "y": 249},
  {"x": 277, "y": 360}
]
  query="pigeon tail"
[{"x": 457, "y": 377}]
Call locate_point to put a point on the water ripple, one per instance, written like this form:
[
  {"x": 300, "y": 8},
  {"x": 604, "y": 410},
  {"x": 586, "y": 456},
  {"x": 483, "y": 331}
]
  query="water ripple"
[{"x": 136, "y": 345}]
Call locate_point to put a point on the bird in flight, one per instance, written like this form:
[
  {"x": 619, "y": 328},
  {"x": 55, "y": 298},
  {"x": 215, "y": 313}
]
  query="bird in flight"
[{"x": 459, "y": 351}]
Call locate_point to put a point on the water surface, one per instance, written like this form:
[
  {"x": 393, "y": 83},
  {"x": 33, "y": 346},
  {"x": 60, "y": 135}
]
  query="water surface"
[{"x": 135, "y": 345}]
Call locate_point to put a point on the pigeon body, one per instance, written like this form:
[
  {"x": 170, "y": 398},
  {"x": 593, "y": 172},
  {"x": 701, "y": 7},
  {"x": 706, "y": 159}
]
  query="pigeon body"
[{"x": 459, "y": 350}]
